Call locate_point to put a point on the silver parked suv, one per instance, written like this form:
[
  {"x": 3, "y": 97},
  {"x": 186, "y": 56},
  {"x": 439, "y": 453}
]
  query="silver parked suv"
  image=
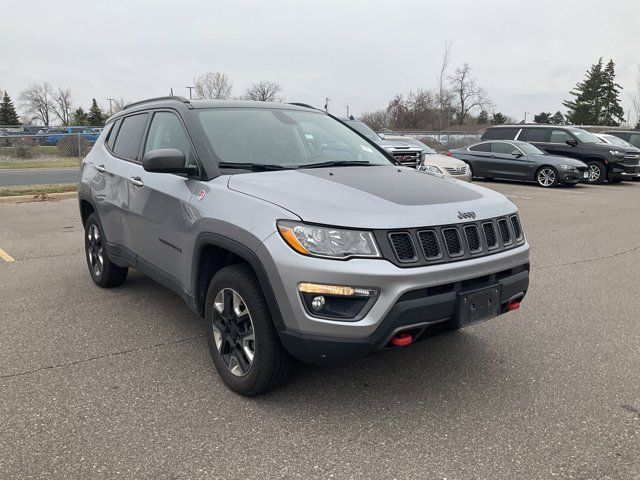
[{"x": 292, "y": 234}]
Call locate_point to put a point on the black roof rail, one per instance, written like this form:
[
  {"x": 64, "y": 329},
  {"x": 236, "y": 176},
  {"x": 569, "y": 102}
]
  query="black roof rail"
[
  {"x": 168, "y": 97},
  {"x": 299, "y": 104}
]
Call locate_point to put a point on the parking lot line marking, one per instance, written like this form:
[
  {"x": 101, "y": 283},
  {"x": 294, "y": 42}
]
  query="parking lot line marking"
[{"x": 6, "y": 257}]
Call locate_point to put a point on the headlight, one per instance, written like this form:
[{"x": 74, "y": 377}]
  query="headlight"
[
  {"x": 321, "y": 241},
  {"x": 567, "y": 167},
  {"x": 617, "y": 153},
  {"x": 430, "y": 168}
]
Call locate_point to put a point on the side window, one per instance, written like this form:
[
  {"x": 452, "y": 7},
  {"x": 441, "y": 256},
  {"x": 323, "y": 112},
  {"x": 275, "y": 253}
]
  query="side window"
[
  {"x": 481, "y": 147},
  {"x": 500, "y": 133},
  {"x": 634, "y": 139},
  {"x": 166, "y": 131},
  {"x": 502, "y": 147},
  {"x": 129, "y": 137},
  {"x": 112, "y": 134},
  {"x": 560, "y": 136},
  {"x": 536, "y": 135}
]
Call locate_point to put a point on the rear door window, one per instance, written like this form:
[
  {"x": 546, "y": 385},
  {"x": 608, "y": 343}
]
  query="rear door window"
[
  {"x": 500, "y": 133},
  {"x": 502, "y": 148},
  {"x": 129, "y": 138},
  {"x": 481, "y": 147},
  {"x": 112, "y": 134},
  {"x": 634, "y": 139},
  {"x": 536, "y": 135}
]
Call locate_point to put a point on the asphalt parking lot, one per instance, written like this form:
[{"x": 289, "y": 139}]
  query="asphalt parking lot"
[{"x": 119, "y": 383}]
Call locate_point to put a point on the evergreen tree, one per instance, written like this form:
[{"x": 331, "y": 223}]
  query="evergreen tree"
[
  {"x": 612, "y": 113},
  {"x": 79, "y": 117},
  {"x": 95, "y": 118},
  {"x": 542, "y": 117},
  {"x": 498, "y": 119},
  {"x": 483, "y": 117},
  {"x": 8, "y": 114},
  {"x": 557, "y": 119},
  {"x": 586, "y": 107}
]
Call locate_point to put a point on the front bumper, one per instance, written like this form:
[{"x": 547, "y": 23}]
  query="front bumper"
[
  {"x": 573, "y": 176},
  {"x": 408, "y": 296}
]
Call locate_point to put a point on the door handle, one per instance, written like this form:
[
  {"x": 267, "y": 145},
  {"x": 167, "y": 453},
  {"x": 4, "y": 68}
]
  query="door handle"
[
  {"x": 100, "y": 168},
  {"x": 136, "y": 182}
]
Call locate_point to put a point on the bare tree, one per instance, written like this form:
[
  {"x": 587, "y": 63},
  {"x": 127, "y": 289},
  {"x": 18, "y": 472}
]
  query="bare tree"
[
  {"x": 467, "y": 94},
  {"x": 37, "y": 101},
  {"x": 377, "y": 119},
  {"x": 118, "y": 104},
  {"x": 214, "y": 85},
  {"x": 444, "y": 96},
  {"x": 635, "y": 97},
  {"x": 61, "y": 105},
  {"x": 264, "y": 91}
]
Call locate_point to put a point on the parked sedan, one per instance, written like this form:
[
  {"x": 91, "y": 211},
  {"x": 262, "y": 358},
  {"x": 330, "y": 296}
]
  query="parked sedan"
[
  {"x": 515, "y": 160},
  {"x": 433, "y": 162}
]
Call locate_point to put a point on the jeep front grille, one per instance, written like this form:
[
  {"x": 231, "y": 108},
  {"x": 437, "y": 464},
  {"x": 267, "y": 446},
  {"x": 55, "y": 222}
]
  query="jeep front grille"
[
  {"x": 415, "y": 247},
  {"x": 403, "y": 246},
  {"x": 505, "y": 234},
  {"x": 429, "y": 244},
  {"x": 452, "y": 241}
]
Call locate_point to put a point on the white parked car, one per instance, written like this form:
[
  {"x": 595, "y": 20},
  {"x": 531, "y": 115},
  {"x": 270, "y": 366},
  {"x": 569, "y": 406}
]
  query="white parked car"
[{"x": 433, "y": 162}]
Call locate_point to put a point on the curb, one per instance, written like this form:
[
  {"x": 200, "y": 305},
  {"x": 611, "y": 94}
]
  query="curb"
[{"x": 51, "y": 197}]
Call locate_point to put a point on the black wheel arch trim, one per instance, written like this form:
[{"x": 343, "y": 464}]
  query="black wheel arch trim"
[{"x": 205, "y": 239}]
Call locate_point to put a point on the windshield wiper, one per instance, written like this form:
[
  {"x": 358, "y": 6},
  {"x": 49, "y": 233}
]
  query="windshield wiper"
[
  {"x": 253, "y": 166},
  {"x": 336, "y": 163}
]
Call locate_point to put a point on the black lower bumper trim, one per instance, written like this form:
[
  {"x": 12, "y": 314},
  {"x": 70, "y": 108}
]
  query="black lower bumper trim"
[{"x": 415, "y": 311}]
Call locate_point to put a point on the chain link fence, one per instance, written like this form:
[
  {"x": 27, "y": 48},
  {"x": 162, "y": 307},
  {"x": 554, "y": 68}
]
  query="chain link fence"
[
  {"x": 49, "y": 158},
  {"x": 442, "y": 141}
]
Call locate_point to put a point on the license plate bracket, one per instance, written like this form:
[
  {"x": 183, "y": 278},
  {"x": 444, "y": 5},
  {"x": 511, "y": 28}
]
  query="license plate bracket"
[{"x": 478, "y": 305}]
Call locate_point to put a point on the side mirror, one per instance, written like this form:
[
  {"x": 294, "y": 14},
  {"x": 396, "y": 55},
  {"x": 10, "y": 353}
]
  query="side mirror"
[
  {"x": 572, "y": 142},
  {"x": 167, "y": 160},
  {"x": 516, "y": 153}
]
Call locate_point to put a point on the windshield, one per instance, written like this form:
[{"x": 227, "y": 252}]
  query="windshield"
[
  {"x": 618, "y": 142},
  {"x": 529, "y": 149},
  {"x": 284, "y": 138},
  {"x": 585, "y": 137},
  {"x": 365, "y": 130}
]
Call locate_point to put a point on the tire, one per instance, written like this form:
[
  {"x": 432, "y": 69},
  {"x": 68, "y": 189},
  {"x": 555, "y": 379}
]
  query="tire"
[
  {"x": 547, "y": 177},
  {"x": 103, "y": 271},
  {"x": 597, "y": 172},
  {"x": 243, "y": 341}
]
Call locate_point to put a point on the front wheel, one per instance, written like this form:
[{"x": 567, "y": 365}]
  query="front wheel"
[
  {"x": 242, "y": 338},
  {"x": 547, "y": 177},
  {"x": 597, "y": 172}
]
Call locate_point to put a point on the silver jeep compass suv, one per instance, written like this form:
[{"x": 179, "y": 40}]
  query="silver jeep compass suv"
[{"x": 291, "y": 234}]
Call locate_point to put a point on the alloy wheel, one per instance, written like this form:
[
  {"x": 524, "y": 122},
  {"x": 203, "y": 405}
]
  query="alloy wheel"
[
  {"x": 95, "y": 250},
  {"x": 546, "y": 177},
  {"x": 594, "y": 173},
  {"x": 233, "y": 332}
]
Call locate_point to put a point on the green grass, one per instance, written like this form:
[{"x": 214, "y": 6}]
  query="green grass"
[
  {"x": 51, "y": 162},
  {"x": 37, "y": 189}
]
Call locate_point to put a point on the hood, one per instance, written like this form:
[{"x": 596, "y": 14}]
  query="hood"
[
  {"x": 371, "y": 197},
  {"x": 393, "y": 145},
  {"x": 442, "y": 161}
]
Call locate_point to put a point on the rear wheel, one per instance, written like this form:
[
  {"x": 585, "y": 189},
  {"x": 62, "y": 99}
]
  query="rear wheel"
[
  {"x": 597, "y": 172},
  {"x": 547, "y": 177},
  {"x": 243, "y": 341},
  {"x": 104, "y": 273}
]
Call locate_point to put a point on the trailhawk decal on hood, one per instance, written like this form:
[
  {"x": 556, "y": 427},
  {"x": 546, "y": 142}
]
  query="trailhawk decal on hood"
[{"x": 371, "y": 197}]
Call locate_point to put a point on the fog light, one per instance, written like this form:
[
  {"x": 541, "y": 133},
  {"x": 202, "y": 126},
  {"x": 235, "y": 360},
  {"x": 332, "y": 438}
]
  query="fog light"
[{"x": 317, "y": 303}]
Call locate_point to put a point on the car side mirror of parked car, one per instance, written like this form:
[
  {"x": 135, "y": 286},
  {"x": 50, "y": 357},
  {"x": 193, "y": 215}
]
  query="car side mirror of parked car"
[
  {"x": 167, "y": 160},
  {"x": 572, "y": 142},
  {"x": 516, "y": 153}
]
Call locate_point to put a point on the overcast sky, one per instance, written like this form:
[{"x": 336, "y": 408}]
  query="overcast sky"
[{"x": 526, "y": 54}]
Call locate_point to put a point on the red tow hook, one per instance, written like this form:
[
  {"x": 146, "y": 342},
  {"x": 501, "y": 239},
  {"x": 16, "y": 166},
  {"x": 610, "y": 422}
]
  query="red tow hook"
[
  {"x": 401, "y": 340},
  {"x": 514, "y": 305}
]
